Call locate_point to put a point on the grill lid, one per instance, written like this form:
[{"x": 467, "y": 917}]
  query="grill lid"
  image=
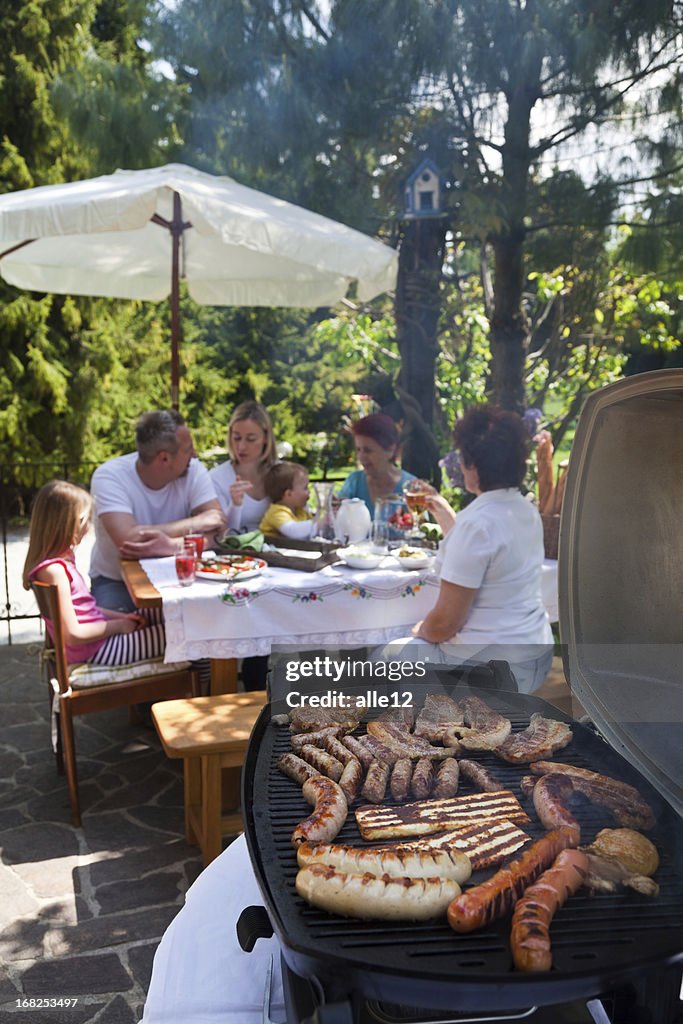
[{"x": 621, "y": 572}]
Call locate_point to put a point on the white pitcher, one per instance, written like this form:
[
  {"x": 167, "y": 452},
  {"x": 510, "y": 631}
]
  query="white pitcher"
[{"x": 352, "y": 521}]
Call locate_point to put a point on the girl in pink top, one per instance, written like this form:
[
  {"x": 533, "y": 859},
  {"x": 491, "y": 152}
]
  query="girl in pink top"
[{"x": 59, "y": 520}]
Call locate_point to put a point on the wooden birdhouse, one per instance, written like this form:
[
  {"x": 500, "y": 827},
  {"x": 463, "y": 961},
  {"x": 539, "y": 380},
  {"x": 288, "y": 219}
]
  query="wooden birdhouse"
[{"x": 423, "y": 192}]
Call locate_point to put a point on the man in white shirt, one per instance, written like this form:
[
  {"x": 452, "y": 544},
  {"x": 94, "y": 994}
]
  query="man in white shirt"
[{"x": 146, "y": 501}]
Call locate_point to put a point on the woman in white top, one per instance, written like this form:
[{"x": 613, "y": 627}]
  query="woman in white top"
[
  {"x": 490, "y": 561},
  {"x": 239, "y": 481}
]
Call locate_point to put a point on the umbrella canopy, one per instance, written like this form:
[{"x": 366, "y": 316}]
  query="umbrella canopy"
[{"x": 136, "y": 234}]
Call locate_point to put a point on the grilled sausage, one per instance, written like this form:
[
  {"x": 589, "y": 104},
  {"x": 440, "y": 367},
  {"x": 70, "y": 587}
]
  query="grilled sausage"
[
  {"x": 316, "y": 738},
  {"x": 530, "y": 934},
  {"x": 366, "y": 896},
  {"x": 395, "y": 861},
  {"x": 447, "y": 779},
  {"x": 324, "y": 762},
  {"x": 375, "y": 785},
  {"x": 423, "y": 779},
  {"x": 358, "y": 750},
  {"x": 481, "y": 777},
  {"x": 623, "y": 801},
  {"x": 332, "y": 745},
  {"x": 399, "y": 783},
  {"x": 550, "y": 796},
  {"x": 296, "y": 769},
  {"x": 492, "y": 899},
  {"x": 351, "y": 778},
  {"x": 329, "y": 813}
]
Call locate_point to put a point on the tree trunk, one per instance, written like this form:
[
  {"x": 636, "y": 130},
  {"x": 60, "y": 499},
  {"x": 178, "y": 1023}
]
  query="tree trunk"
[
  {"x": 509, "y": 326},
  {"x": 417, "y": 308}
]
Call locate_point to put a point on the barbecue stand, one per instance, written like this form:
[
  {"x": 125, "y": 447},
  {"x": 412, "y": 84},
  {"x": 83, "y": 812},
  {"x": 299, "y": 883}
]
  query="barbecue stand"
[{"x": 617, "y": 957}]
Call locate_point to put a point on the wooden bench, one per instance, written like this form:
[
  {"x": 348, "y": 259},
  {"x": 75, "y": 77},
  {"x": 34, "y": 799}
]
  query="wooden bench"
[{"x": 210, "y": 734}]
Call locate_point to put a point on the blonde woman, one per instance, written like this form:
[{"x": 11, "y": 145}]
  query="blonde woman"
[{"x": 239, "y": 482}]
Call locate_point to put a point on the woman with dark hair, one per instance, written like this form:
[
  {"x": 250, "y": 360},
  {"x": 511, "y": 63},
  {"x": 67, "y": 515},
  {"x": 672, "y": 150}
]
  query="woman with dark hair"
[
  {"x": 490, "y": 560},
  {"x": 376, "y": 439}
]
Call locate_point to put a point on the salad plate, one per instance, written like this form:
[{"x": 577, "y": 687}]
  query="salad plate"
[{"x": 227, "y": 568}]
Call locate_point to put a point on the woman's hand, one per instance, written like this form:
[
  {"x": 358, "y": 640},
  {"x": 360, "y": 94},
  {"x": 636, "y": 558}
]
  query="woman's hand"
[
  {"x": 238, "y": 490},
  {"x": 441, "y": 510}
]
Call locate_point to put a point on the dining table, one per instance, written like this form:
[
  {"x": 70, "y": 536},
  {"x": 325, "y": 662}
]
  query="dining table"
[{"x": 332, "y": 608}]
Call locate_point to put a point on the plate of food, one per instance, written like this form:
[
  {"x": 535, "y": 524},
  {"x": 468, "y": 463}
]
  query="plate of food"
[
  {"x": 413, "y": 558},
  {"x": 360, "y": 558},
  {"x": 227, "y": 568}
]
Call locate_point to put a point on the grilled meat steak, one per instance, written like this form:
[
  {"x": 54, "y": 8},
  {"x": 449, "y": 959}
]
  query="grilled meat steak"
[
  {"x": 403, "y": 743},
  {"x": 308, "y": 719},
  {"x": 439, "y": 714},
  {"x": 484, "y": 728},
  {"x": 541, "y": 738}
]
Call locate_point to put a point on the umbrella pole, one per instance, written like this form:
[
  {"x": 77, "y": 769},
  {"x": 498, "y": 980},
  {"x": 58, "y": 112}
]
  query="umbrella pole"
[{"x": 177, "y": 228}]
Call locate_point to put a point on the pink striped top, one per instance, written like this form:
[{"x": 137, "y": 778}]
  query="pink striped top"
[{"x": 84, "y": 605}]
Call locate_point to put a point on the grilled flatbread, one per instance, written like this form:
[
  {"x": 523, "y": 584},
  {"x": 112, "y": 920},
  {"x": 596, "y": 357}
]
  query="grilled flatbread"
[{"x": 426, "y": 816}]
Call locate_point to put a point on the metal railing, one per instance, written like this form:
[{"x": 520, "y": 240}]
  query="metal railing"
[{"x": 19, "y": 482}]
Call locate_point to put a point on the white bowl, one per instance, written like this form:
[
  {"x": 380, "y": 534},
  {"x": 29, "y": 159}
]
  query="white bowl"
[
  {"x": 413, "y": 558},
  {"x": 360, "y": 558}
]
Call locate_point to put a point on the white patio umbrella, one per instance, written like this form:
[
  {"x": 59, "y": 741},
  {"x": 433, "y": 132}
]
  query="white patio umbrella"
[{"x": 136, "y": 234}]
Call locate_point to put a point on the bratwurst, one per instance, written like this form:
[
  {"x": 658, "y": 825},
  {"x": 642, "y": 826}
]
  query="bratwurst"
[
  {"x": 530, "y": 935},
  {"x": 395, "y": 861},
  {"x": 329, "y": 813},
  {"x": 378, "y": 899},
  {"x": 485, "y": 903}
]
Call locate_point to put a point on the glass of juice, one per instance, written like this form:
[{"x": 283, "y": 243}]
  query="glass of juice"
[
  {"x": 197, "y": 539},
  {"x": 186, "y": 563}
]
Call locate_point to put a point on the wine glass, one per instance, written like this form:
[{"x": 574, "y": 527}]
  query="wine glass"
[{"x": 416, "y": 493}]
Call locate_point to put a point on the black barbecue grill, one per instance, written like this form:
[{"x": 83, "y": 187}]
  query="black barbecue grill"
[
  {"x": 600, "y": 943},
  {"x": 621, "y": 612}
]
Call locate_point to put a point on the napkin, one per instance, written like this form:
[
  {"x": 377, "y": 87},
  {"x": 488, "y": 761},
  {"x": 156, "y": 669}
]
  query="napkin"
[{"x": 252, "y": 541}]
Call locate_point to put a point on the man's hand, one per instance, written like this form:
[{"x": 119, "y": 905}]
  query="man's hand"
[
  {"x": 210, "y": 520},
  {"x": 149, "y": 543}
]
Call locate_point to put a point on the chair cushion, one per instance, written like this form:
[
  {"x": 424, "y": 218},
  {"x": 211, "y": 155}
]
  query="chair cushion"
[{"x": 83, "y": 676}]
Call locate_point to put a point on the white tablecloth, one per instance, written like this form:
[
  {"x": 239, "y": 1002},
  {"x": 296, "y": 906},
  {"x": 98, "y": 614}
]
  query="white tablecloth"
[{"x": 336, "y": 606}]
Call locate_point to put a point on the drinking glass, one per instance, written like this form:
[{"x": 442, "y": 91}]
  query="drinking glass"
[
  {"x": 186, "y": 563},
  {"x": 379, "y": 537},
  {"x": 415, "y": 492},
  {"x": 391, "y": 517},
  {"x": 197, "y": 539}
]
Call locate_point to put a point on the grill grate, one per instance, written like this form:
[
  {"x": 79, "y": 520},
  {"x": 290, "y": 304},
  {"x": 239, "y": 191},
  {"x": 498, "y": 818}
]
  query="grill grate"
[{"x": 597, "y": 941}]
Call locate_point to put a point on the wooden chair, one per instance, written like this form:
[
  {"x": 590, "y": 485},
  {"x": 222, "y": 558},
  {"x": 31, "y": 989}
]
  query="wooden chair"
[{"x": 82, "y": 689}]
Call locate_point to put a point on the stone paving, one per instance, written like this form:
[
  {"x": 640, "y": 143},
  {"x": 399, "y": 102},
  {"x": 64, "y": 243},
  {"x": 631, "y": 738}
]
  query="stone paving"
[{"x": 82, "y": 910}]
